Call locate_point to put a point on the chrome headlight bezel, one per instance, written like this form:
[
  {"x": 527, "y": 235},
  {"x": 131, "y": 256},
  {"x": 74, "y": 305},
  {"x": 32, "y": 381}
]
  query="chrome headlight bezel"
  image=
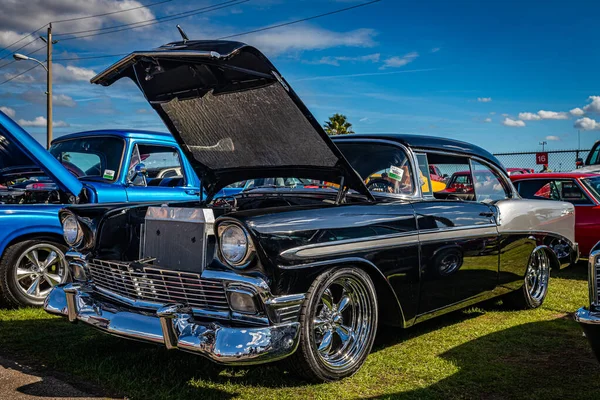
[
  {"x": 74, "y": 236},
  {"x": 248, "y": 254}
]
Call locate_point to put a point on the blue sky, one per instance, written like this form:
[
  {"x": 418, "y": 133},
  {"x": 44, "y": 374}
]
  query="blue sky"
[{"x": 504, "y": 75}]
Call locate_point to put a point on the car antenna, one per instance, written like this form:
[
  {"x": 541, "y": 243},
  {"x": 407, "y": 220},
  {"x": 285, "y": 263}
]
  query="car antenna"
[{"x": 182, "y": 33}]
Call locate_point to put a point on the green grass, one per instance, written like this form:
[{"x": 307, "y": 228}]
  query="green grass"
[{"x": 479, "y": 353}]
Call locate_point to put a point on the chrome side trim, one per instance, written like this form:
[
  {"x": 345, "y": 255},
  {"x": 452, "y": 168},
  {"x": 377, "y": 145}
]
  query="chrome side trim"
[{"x": 377, "y": 242}]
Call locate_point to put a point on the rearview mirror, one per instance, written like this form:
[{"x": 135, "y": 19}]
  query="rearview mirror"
[{"x": 579, "y": 163}]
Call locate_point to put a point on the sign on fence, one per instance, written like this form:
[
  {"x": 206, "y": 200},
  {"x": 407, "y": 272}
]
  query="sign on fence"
[{"x": 541, "y": 158}]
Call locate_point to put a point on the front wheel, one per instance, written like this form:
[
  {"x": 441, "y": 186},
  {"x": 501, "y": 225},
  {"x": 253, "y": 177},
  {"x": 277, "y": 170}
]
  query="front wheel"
[
  {"x": 535, "y": 285},
  {"x": 29, "y": 270},
  {"x": 338, "y": 325}
]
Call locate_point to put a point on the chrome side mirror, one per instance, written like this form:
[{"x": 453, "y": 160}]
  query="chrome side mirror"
[{"x": 138, "y": 177}]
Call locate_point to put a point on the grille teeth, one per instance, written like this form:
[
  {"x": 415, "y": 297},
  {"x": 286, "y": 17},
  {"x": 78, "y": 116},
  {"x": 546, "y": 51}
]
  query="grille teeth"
[{"x": 158, "y": 285}]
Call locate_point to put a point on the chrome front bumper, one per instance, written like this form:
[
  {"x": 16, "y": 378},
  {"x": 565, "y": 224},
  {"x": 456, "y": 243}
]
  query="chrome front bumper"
[{"x": 175, "y": 327}]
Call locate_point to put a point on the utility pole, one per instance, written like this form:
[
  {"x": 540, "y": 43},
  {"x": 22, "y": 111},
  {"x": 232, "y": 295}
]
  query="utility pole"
[
  {"x": 543, "y": 144},
  {"x": 49, "y": 87}
]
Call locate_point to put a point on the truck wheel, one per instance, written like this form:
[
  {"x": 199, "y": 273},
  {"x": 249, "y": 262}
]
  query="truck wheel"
[
  {"x": 29, "y": 270},
  {"x": 338, "y": 324},
  {"x": 535, "y": 285}
]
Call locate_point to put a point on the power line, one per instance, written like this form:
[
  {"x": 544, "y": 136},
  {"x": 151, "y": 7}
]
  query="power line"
[
  {"x": 15, "y": 50},
  {"x": 300, "y": 20},
  {"x": 141, "y": 24},
  {"x": 79, "y": 18},
  {"x": 23, "y": 38},
  {"x": 237, "y": 34},
  {"x": 28, "y": 54},
  {"x": 18, "y": 75},
  {"x": 112, "y": 12}
]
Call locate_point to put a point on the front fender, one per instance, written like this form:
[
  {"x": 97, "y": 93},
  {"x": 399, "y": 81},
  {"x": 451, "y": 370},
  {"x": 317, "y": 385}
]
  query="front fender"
[
  {"x": 390, "y": 309},
  {"x": 24, "y": 221}
]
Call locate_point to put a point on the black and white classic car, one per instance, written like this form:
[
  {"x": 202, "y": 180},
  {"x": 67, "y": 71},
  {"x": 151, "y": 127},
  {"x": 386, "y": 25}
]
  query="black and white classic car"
[{"x": 305, "y": 273}]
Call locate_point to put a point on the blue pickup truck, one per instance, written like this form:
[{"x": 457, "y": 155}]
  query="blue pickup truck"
[{"x": 105, "y": 166}]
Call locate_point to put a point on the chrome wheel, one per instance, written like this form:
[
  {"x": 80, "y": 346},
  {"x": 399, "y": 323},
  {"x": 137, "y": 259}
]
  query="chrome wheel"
[
  {"x": 343, "y": 323},
  {"x": 536, "y": 277},
  {"x": 38, "y": 269}
]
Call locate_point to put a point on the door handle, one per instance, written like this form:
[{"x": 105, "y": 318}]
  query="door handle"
[{"x": 486, "y": 214}]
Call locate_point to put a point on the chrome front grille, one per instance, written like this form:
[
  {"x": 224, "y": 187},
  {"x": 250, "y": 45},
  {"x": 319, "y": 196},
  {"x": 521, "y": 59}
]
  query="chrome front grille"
[
  {"x": 594, "y": 277},
  {"x": 146, "y": 283}
]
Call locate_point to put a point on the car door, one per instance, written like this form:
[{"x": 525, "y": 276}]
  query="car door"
[
  {"x": 156, "y": 173},
  {"x": 458, "y": 249}
]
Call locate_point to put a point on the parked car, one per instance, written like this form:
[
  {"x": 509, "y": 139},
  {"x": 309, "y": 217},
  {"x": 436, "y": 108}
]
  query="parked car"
[
  {"x": 87, "y": 167},
  {"x": 592, "y": 161},
  {"x": 589, "y": 317},
  {"x": 305, "y": 274},
  {"x": 581, "y": 190},
  {"x": 519, "y": 171}
]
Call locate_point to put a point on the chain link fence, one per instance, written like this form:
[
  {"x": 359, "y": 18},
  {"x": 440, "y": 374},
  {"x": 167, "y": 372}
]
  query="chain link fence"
[{"x": 558, "y": 160}]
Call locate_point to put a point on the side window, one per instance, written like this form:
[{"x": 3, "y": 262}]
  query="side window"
[
  {"x": 571, "y": 192},
  {"x": 489, "y": 186},
  {"x": 453, "y": 178},
  {"x": 535, "y": 189},
  {"x": 162, "y": 166}
]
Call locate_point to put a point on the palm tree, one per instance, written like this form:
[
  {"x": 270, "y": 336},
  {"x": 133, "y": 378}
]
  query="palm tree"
[{"x": 338, "y": 125}]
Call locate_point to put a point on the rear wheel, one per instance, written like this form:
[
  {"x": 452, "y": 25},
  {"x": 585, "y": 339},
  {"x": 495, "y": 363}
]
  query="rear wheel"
[
  {"x": 338, "y": 325},
  {"x": 29, "y": 270},
  {"x": 535, "y": 284}
]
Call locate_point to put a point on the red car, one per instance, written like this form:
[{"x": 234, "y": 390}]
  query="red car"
[{"x": 582, "y": 190}]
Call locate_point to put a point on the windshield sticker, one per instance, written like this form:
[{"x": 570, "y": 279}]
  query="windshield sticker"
[
  {"x": 396, "y": 173},
  {"x": 108, "y": 174}
]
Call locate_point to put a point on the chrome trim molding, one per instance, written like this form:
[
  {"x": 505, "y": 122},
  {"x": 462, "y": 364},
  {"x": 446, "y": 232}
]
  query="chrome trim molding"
[
  {"x": 593, "y": 277},
  {"x": 174, "y": 327},
  {"x": 376, "y": 242}
]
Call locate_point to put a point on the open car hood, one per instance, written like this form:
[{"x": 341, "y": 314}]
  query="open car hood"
[
  {"x": 21, "y": 153},
  {"x": 233, "y": 114}
]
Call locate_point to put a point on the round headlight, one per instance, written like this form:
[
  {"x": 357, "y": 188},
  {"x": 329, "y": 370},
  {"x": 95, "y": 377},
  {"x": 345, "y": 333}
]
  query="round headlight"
[
  {"x": 234, "y": 244},
  {"x": 71, "y": 230}
]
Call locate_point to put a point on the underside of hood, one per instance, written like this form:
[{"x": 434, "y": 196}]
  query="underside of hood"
[
  {"x": 233, "y": 114},
  {"x": 21, "y": 154}
]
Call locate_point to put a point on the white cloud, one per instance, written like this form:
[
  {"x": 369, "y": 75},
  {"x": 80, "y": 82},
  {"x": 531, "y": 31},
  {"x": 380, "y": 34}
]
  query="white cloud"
[
  {"x": 41, "y": 122},
  {"x": 71, "y": 73},
  {"x": 487, "y": 120},
  {"x": 363, "y": 119},
  {"x": 505, "y": 115},
  {"x": 493, "y": 113},
  {"x": 62, "y": 100},
  {"x": 484, "y": 99},
  {"x": 587, "y": 124},
  {"x": 594, "y": 106},
  {"x": 552, "y": 137},
  {"x": 336, "y": 60},
  {"x": 542, "y": 114},
  {"x": 435, "y": 49},
  {"x": 527, "y": 116},
  {"x": 8, "y": 111},
  {"x": 38, "y": 12},
  {"x": 306, "y": 37},
  {"x": 577, "y": 112},
  {"x": 513, "y": 123},
  {"x": 395, "y": 62},
  {"x": 552, "y": 115}
]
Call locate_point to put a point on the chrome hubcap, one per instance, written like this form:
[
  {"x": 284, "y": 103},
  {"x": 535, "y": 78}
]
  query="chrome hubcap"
[
  {"x": 39, "y": 269},
  {"x": 536, "y": 278},
  {"x": 342, "y": 324}
]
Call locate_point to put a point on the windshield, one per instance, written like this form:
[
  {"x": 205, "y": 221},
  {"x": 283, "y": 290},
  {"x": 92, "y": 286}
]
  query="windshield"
[
  {"x": 384, "y": 168},
  {"x": 593, "y": 185},
  {"x": 95, "y": 157}
]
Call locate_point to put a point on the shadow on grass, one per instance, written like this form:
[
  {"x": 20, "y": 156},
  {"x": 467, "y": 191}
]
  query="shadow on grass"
[
  {"x": 546, "y": 360},
  {"x": 576, "y": 272},
  {"x": 80, "y": 355}
]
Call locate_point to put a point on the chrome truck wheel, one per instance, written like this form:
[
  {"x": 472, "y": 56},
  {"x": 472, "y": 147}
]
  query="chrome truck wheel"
[
  {"x": 339, "y": 322},
  {"x": 535, "y": 285},
  {"x": 29, "y": 270}
]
